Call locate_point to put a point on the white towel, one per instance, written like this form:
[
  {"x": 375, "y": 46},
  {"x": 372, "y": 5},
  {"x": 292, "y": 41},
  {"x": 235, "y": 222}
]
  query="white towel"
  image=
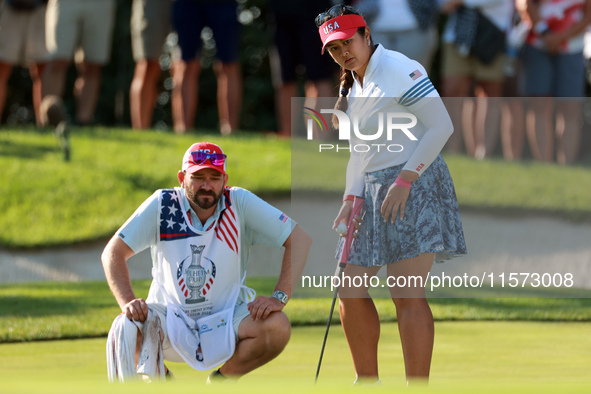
[
  {"x": 151, "y": 360},
  {"x": 121, "y": 347}
]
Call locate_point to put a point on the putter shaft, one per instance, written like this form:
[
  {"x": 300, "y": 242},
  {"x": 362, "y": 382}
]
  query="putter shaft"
[
  {"x": 357, "y": 205},
  {"x": 334, "y": 299}
]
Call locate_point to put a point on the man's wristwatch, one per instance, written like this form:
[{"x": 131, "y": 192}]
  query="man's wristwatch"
[{"x": 281, "y": 296}]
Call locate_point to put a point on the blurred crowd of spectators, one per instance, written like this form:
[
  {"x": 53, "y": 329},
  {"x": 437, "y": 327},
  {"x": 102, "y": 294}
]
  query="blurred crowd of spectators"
[{"x": 510, "y": 71}]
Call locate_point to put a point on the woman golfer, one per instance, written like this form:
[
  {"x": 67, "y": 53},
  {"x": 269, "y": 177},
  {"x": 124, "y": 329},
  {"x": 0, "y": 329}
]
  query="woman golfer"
[{"x": 411, "y": 214}]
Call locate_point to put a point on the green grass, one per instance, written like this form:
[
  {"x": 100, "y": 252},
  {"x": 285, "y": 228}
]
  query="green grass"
[
  {"x": 543, "y": 348},
  {"x": 483, "y": 357},
  {"x": 46, "y": 201},
  {"x": 492, "y": 184},
  {"x": 42, "y": 311},
  {"x": 515, "y": 186}
]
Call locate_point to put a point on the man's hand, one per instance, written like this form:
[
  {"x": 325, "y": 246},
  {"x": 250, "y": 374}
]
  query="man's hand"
[
  {"x": 263, "y": 306},
  {"x": 136, "y": 310}
]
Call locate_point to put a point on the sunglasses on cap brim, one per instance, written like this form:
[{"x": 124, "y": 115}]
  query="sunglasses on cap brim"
[
  {"x": 217, "y": 159},
  {"x": 333, "y": 12}
]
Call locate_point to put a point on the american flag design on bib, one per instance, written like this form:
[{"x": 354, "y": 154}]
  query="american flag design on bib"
[
  {"x": 172, "y": 223},
  {"x": 198, "y": 268},
  {"x": 227, "y": 227}
]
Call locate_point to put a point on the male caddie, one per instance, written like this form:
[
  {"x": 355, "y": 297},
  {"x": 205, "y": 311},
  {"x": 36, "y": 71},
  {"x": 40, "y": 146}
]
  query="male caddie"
[{"x": 198, "y": 309}]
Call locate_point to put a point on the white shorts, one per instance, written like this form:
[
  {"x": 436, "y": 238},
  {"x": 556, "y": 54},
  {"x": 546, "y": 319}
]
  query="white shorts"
[
  {"x": 240, "y": 313},
  {"x": 84, "y": 24},
  {"x": 149, "y": 27},
  {"x": 22, "y": 36}
]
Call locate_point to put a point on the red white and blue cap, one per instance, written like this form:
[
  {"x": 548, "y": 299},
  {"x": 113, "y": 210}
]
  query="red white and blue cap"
[
  {"x": 340, "y": 28},
  {"x": 189, "y": 165}
]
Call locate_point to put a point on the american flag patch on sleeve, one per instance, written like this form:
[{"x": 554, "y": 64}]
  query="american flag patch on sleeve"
[
  {"x": 416, "y": 74},
  {"x": 283, "y": 217}
]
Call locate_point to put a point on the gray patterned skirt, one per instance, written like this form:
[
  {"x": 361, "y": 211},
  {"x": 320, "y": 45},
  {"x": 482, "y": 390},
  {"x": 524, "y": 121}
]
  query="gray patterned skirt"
[{"x": 431, "y": 221}]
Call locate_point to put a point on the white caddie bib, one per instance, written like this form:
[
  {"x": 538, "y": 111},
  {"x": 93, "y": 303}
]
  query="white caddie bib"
[{"x": 199, "y": 275}]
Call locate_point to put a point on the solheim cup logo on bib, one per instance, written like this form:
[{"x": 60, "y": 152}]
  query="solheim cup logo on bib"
[{"x": 196, "y": 281}]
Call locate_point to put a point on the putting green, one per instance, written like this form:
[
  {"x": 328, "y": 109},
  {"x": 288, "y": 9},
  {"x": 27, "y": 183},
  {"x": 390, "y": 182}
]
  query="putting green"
[{"x": 468, "y": 356}]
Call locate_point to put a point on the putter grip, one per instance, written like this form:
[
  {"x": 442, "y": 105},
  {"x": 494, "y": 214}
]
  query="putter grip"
[{"x": 357, "y": 206}]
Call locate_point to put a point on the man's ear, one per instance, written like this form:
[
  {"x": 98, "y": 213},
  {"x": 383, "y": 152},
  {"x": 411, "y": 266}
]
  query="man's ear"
[
  {"x": 225, "y": 180},
  {"x": 181, "y": 177}
]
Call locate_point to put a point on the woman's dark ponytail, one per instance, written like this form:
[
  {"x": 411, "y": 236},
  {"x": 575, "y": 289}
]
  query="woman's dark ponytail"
[{"x": 346, "y": 82}]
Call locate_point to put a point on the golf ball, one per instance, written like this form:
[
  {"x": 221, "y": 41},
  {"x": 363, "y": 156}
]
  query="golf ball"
[{"x": 342, "y": 228}]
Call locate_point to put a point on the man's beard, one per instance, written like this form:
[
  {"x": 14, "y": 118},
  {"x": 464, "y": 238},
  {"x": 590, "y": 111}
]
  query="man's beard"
[{"x": 198, "y": 198}]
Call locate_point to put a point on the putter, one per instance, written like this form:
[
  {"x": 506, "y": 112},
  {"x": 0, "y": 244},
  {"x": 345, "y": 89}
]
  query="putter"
[{"x": 357, "y": 205}]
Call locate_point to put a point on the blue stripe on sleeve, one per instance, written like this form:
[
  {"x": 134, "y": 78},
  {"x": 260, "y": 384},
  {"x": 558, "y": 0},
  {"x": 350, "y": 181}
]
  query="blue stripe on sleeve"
[
  {"x": 416, "y": 100},
  {"x": 417, "y": 92},
  {"x": 411, "y": 92}
]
